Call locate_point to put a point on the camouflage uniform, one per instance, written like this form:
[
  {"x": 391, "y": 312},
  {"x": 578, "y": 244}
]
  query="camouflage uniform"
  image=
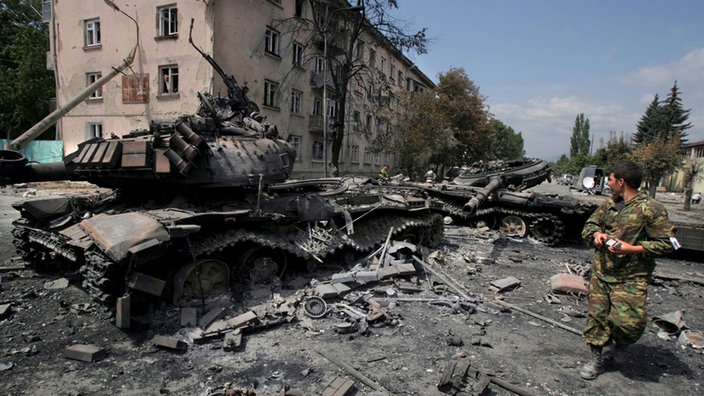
[{"x": 618, "y": 284}]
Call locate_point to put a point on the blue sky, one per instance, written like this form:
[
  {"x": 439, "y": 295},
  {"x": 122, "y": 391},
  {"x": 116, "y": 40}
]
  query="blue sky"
[{"x": 542, "y": 62}]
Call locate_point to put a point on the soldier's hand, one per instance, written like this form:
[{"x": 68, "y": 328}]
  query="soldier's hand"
[{"x": 600, "y": 238}]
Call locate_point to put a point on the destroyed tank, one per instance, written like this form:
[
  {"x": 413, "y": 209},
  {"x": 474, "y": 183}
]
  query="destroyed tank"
[
  {"x": 496, "y": 194},
  {"x": 188, "y": 207}
]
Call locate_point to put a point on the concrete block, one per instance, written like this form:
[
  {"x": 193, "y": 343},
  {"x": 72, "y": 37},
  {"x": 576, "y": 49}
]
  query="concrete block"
[
  {"x": 85, "y": 353},
  {"x": 5, "y": 310},
  {"x": 189, "y": 317},
  {"x": 211, "y": 316},
  {"x": 507, "y": 283},
  {"x": 568, "y": 283},
  {"x": 122, "y": 312},
  {"x": 326, "y": 290},
  {"x": 169, "y": 343},
  {"x": 60, "y": 283},
  {"x": 338, "y": 387}
]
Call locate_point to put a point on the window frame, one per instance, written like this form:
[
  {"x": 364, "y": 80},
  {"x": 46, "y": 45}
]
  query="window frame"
[
  {"x": 272, "y": 38},
  {"x": 354, "y": 154},
  {"x": 171, "y": 71},
  {"x": 317, "y": 154},
  {"x": 92, "y": 77},
  {"x": 296, "y": 101},
  {"x": 163, "y": 24},
  {"x": 270, "y": 89},
  {"x": 368, "y": 156},
  {"x": 91, "y": 33},
  {"x": 295, "y": 142},
  {"x": 94, "y": 129},
  {"x": 298, "y": 53}
]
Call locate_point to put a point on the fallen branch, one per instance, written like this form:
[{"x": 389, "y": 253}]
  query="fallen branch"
[{"x": 541, "y": 317}]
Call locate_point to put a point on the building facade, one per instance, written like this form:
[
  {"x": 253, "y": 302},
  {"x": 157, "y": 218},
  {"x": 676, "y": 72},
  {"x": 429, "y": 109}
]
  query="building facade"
[{"x": 271, "y": 46}]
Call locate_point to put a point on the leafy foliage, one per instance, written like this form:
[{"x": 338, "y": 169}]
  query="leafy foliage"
[
  {"x": 508, "y": 144},
  {"x": 616, "y": 149},
  {"x": 26, "y": 86},
  {"x": 657, "y": 158},
  {"x": 580, "y": 143}
]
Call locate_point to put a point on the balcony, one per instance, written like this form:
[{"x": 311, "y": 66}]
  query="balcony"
[
  {"x": 317, "y": 79},
  {"x": 315, "y": 123}
]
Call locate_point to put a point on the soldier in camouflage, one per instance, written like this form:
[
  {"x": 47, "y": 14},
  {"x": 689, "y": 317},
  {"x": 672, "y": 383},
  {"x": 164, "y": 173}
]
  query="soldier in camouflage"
[{"x": 628, "y": 232}]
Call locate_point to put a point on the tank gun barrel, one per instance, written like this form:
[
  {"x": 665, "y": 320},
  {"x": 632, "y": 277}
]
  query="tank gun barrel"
[
  {"x": 476, "y": 201},
  {"x": 49, "y": 120}
]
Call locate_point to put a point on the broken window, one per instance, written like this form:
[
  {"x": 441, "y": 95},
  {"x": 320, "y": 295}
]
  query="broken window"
[
  {"x": 168, "y": 21},
  {"x": 168, "y": 75}
]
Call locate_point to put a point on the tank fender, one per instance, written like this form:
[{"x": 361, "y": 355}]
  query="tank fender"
[{"x": 116, "y": 234}]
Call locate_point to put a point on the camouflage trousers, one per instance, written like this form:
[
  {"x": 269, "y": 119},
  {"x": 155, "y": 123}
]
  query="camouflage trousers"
[{"x": 617, "y": 311}]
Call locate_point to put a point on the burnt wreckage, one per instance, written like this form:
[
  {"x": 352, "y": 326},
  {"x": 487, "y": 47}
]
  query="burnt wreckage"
[{"x": 191, "y": 205}]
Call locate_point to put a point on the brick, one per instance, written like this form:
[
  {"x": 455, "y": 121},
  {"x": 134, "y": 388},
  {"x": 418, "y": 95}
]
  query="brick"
[
  {"x": 189, "y": 317},
  {"x": 169, "y": 343},
  {"x": 122, "y": 312},
  {"x": 85, "y": 353}
]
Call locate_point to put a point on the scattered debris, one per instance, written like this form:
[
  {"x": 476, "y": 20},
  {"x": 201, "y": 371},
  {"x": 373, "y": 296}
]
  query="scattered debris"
[
  {"x": 568, "y": 284},
  {"x": 85, "y": 353},
  {"x": 506, "y": 284},
  {"x": 60, "y": 283}
]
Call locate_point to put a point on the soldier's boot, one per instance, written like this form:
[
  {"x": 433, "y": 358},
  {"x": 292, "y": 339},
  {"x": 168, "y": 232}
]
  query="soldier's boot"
[
  {"x": 595, "y": 365},
  {"x": 615, "y": 354}
]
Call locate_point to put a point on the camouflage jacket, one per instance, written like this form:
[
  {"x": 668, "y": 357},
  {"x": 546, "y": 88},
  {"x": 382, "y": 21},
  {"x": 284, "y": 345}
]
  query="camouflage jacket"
[{"x": 640, "y": 221}]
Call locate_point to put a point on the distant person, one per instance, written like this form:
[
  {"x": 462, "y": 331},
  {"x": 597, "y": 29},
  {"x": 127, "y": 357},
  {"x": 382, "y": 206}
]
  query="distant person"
[
  {"x": 628, "y": 231},
  {"x": 696, "y": 198},
  {"x": 384, "y": 174},
  {"x": 430, "y": 176}
]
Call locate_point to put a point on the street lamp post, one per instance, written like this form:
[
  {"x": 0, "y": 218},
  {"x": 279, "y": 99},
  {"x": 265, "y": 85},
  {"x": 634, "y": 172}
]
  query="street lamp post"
[{"x": 328, "y": 17}]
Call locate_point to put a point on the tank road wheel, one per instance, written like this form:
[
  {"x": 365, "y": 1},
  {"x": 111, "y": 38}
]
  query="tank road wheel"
[
  {"x": 513, "y": 226},
  {"x": 436, "y": 231},
  {"x": 262, "y": 265},
  {"x": 201, "y": 279},
  {"x": 547, "y": 229}
]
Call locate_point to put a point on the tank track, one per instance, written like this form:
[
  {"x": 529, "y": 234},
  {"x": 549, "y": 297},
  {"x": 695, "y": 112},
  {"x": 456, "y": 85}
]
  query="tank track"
[{"x": 543, "y": 227}]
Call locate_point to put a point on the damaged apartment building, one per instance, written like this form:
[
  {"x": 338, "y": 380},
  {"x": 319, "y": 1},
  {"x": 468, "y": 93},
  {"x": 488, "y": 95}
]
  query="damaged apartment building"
[{"x": 279, "y": 49}]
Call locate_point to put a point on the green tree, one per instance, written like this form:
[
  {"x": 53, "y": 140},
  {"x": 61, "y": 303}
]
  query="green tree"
[
  {"x": 26, "y": 86},
  {"x": 508, "y": 144},
  {"x": 651, "y": 124},
  {"x": 675, "y": 115},
  {"x": 466, "y": 115},
  {"x": 658, "y": 158},
  {"x": 426, "y": 139},
  {"x": 616, "y": 149},
  {"x": 580, "y": 143},
  {"x": 561, "y": 166}
]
